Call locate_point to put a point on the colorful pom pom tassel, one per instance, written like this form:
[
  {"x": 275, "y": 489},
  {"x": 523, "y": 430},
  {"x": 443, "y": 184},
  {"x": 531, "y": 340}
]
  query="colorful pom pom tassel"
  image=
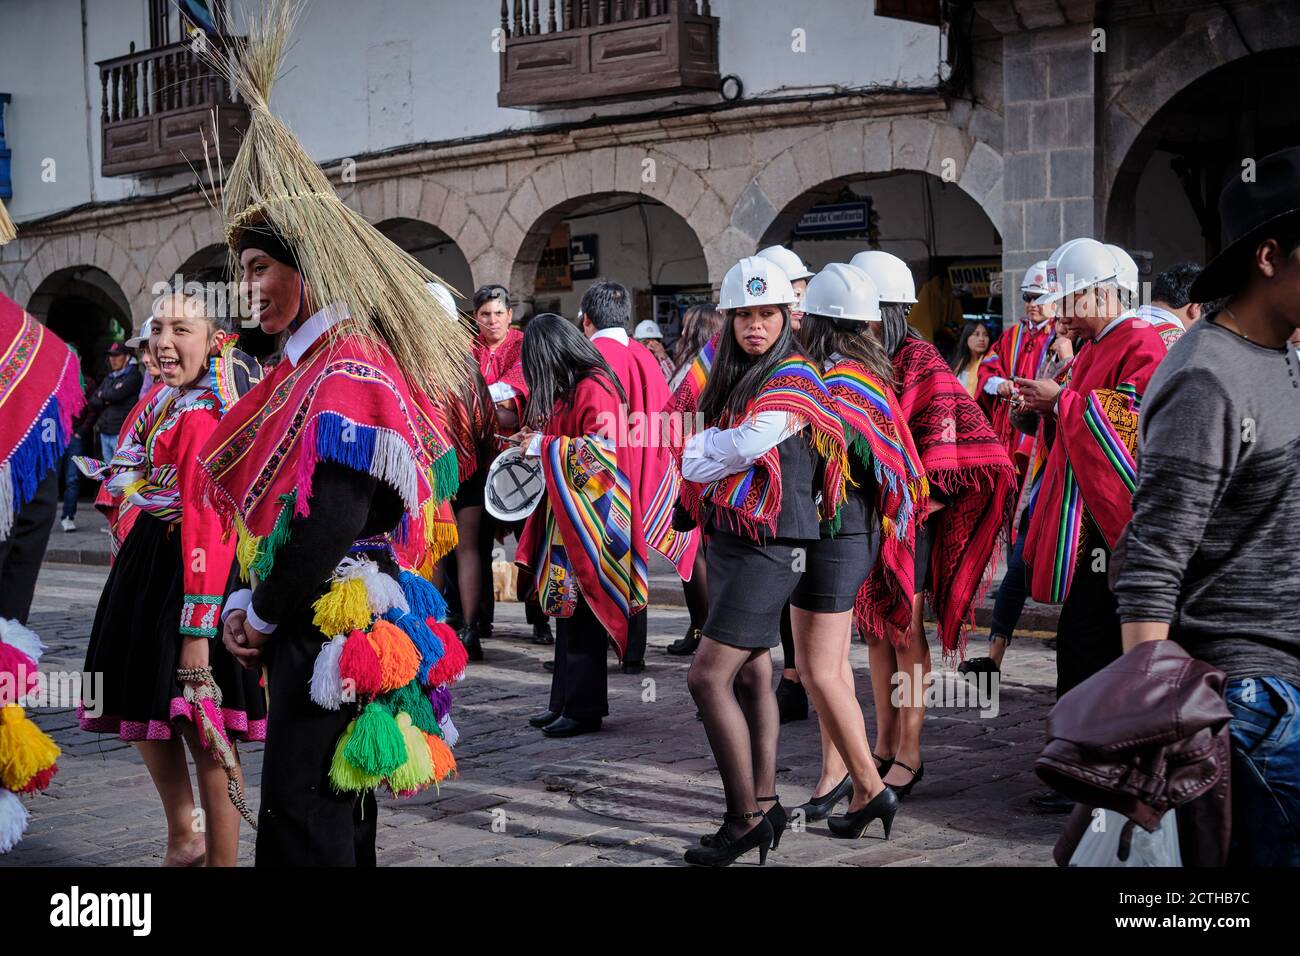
[
  {"x": 375, "y": 747},
  {"x": 359, "y": 664},
  {"x": 13, "y": 819},
  {"x": 423, "y": 598},
  {"x": 40, "y": 780},
  {"x": 398, "y": 659},
  {"x": 454, "y": 659},
  {"x": 384, "y": 593},
  {"x": 344, "y": 777},
  {"x": 443, "y": 761},
  {"x": 18, "y": 674},
  {"x": 326, "y": 675},
  {"x": 417, "y": 772},
  {"x": 24, "y": 750},
  {"x": 430, "y": 647},
  {"x": 411, "y": 700},
  {"x": 344, "y": 607},
  {"x": 15, "y": 635},
  {"x": 449, "y": 732},
  {"x": 440, "y": 701}
]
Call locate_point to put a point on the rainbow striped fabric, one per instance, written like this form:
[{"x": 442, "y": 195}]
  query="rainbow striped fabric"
[
  {"x": 588, "y": 533},
  {"x": 1112, "y": 417}
]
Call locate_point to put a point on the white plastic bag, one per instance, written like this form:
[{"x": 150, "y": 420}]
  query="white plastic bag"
[{"x": 1101, "y": 844}]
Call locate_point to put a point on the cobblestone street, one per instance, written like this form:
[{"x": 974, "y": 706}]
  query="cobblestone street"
[{"x": 638, "y": 792}]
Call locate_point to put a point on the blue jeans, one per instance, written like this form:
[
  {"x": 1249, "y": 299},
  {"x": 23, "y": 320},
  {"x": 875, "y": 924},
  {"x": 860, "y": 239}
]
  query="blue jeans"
[
  {"x": 1265, "y": 730},
  {"x": 71, "y": 477},
  {"x": 107, "y": 447},
  {"x": 1012, "y": 592}
]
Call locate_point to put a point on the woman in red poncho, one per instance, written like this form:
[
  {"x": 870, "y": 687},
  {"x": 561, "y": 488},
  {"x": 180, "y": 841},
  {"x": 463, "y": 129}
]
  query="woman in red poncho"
[{"x": 584, "y": 545}]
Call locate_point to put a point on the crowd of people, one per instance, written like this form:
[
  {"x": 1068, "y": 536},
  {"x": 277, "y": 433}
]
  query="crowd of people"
[{"x": 305, "y": 551}]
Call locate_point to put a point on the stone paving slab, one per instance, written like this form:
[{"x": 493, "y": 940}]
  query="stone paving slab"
[{"x": 637, "y": 793}]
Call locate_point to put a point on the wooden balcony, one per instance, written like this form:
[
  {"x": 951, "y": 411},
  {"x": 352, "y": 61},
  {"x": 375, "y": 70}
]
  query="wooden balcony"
[
  {"x": 156, "y": 108},
  {"x": 570, "y": 52}
]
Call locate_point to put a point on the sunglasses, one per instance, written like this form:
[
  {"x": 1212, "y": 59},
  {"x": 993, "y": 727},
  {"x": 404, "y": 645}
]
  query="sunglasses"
[{"x": 1029, "y": 297}]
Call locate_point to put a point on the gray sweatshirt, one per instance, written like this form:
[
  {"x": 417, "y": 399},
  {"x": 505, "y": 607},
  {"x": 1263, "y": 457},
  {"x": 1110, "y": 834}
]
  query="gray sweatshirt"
[{"x": 1214, "y": 544}]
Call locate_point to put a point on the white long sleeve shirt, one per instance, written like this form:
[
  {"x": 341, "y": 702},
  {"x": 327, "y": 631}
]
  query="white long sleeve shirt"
[{"x": 717, "y": 452}]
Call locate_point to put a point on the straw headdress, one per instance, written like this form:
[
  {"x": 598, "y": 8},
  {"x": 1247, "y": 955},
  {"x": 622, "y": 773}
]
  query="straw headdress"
[
  {"x": 7, "y": 230},
  {"x": 273, "y": 184}
]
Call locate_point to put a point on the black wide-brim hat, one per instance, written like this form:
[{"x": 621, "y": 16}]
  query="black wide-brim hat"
[{"x": 1250, "y": 213}]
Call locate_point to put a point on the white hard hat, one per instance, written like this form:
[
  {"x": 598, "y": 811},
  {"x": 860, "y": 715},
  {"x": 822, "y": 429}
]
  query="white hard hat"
[
  {"x": 514, "y": 486},
  {"x": 890, "y": 274},
  {"x": 1035, "y": 279},
  {"x": 1126, "y": 270},
  {"x": 142, "y": 336},
  {"x": 648, "y": 329},
  {"x": 444, "y": 297},
  {"x": 755, "y": 281},
  {"x": 789, "y": 262},
  {"x": 1077, "y": 265},
  {"x": 842, "y": 292}
]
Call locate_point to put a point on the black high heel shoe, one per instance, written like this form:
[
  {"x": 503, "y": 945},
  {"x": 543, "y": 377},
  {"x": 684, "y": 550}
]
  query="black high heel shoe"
[
  {"x": 882, "y": 763},
  {"x": 819, "y": 808},
  {"x": 776, "y": 815},
  {"x": 791, "y": 701},
  {"x": 881, "y": 807},
  {"x": 685, "y": 646},
  {"x": 726, "y": 849},
  {"x": 906, "y": 788}
]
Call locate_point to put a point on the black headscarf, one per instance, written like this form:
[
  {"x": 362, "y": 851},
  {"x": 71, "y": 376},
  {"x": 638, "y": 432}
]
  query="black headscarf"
[{"x": 265, "y": 238}]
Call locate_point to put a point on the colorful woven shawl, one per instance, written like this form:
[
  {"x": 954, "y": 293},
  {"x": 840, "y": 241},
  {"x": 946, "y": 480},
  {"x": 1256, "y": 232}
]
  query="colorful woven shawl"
[
  {"x": 346, "y": 401},
  {"x": 969, "y": 467},
  {"x": 875, "y": 430},
  {"x": 40, "y": 394},
  {"x": 753, "y": 496}
]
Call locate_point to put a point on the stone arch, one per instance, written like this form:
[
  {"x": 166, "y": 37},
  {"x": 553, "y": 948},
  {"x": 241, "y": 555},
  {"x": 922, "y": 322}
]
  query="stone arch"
[
  {"x": 59, "y": 256},
  {"x": 434, "y": 248},
  {"x": 1209, "y": 41},
  {"x": 523, "y": 271},
  {"x": 541, "y": 195},
  {"x": 844, "y": 150},
  {"x": 77, "y": 302}
]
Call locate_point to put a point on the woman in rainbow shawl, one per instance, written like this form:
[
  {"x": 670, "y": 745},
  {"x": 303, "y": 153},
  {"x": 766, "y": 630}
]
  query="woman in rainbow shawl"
[
  {"x": 585, "y": 544},
  {"x": 864, "y": 558},
  {"x": 754, "y": 481}
]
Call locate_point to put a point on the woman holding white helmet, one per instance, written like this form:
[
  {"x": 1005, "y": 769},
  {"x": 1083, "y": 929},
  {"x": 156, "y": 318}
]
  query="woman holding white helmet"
[
  {"x": 864, "y": 558},
  {"x": 753, "y": 480}
]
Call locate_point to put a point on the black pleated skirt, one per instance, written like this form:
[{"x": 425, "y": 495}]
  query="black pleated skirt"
[{"x": 135, "y": 645}]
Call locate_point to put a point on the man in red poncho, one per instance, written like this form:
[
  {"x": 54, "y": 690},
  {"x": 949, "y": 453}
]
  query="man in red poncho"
[
  {"x": 1085, "y": 499},
  {"x": 604, "y": 315}
]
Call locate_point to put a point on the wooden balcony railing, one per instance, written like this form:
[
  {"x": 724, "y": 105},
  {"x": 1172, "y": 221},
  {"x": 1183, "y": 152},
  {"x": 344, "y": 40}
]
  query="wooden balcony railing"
[
  {"x": 564, "y": 52},
  {"x": 156, "y": 106}
]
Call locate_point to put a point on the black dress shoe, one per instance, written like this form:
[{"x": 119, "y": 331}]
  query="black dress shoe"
[
  {"x": 1049, "y": 801},
  {"x": 542, "y": 633},
  {"x": 881, "y": 807},
  {"x": 791, "y": 701},
  {"x": 473, "y": 646},
  {"x": 904, "y": 789},
  {"x": 726, "y": 848},
  {"x": 819, "y": 808},
  {"x": 776, "y": 815},
  {"x": 685, "y": 646},
  {"x": 548, "y": 666},
  {"x": 633, "y": 667},
  {"x": 568, "y": 727},
  {"x": 544, "y": 718}
]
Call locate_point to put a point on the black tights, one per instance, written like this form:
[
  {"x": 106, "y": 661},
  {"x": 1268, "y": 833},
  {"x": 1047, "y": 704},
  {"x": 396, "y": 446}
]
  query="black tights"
[
  {"x": 787, "y": 640},
  {"x": 732, "y": 687},
  {"x": 473, "y": 560},
  {"x": 696, "y": 590}
]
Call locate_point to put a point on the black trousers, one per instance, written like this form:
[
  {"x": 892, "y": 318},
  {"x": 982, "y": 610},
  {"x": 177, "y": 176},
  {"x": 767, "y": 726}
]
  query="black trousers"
[
  {"x": 579, "y": 684},
  {"x": 302, "y": 820},
  {"x": 1088, "y": 635},
  {"x": 22, "y": 552},
  {"x": 637, "y": 627}
]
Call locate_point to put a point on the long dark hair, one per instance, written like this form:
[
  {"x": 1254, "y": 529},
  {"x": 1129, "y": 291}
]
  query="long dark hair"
[
  {"x": 555, "y": 358},
  {"x": 822, "y": 337},
  {"x": 894, "y": 329},
  {"x": 699, "y": 324},
  {"x": 963, "y": 353},
  {"x": 736, "y": 376}
]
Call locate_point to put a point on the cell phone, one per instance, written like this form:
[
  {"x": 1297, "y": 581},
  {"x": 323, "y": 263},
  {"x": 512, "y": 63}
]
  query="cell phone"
[{"x": 509, "y": 438}]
